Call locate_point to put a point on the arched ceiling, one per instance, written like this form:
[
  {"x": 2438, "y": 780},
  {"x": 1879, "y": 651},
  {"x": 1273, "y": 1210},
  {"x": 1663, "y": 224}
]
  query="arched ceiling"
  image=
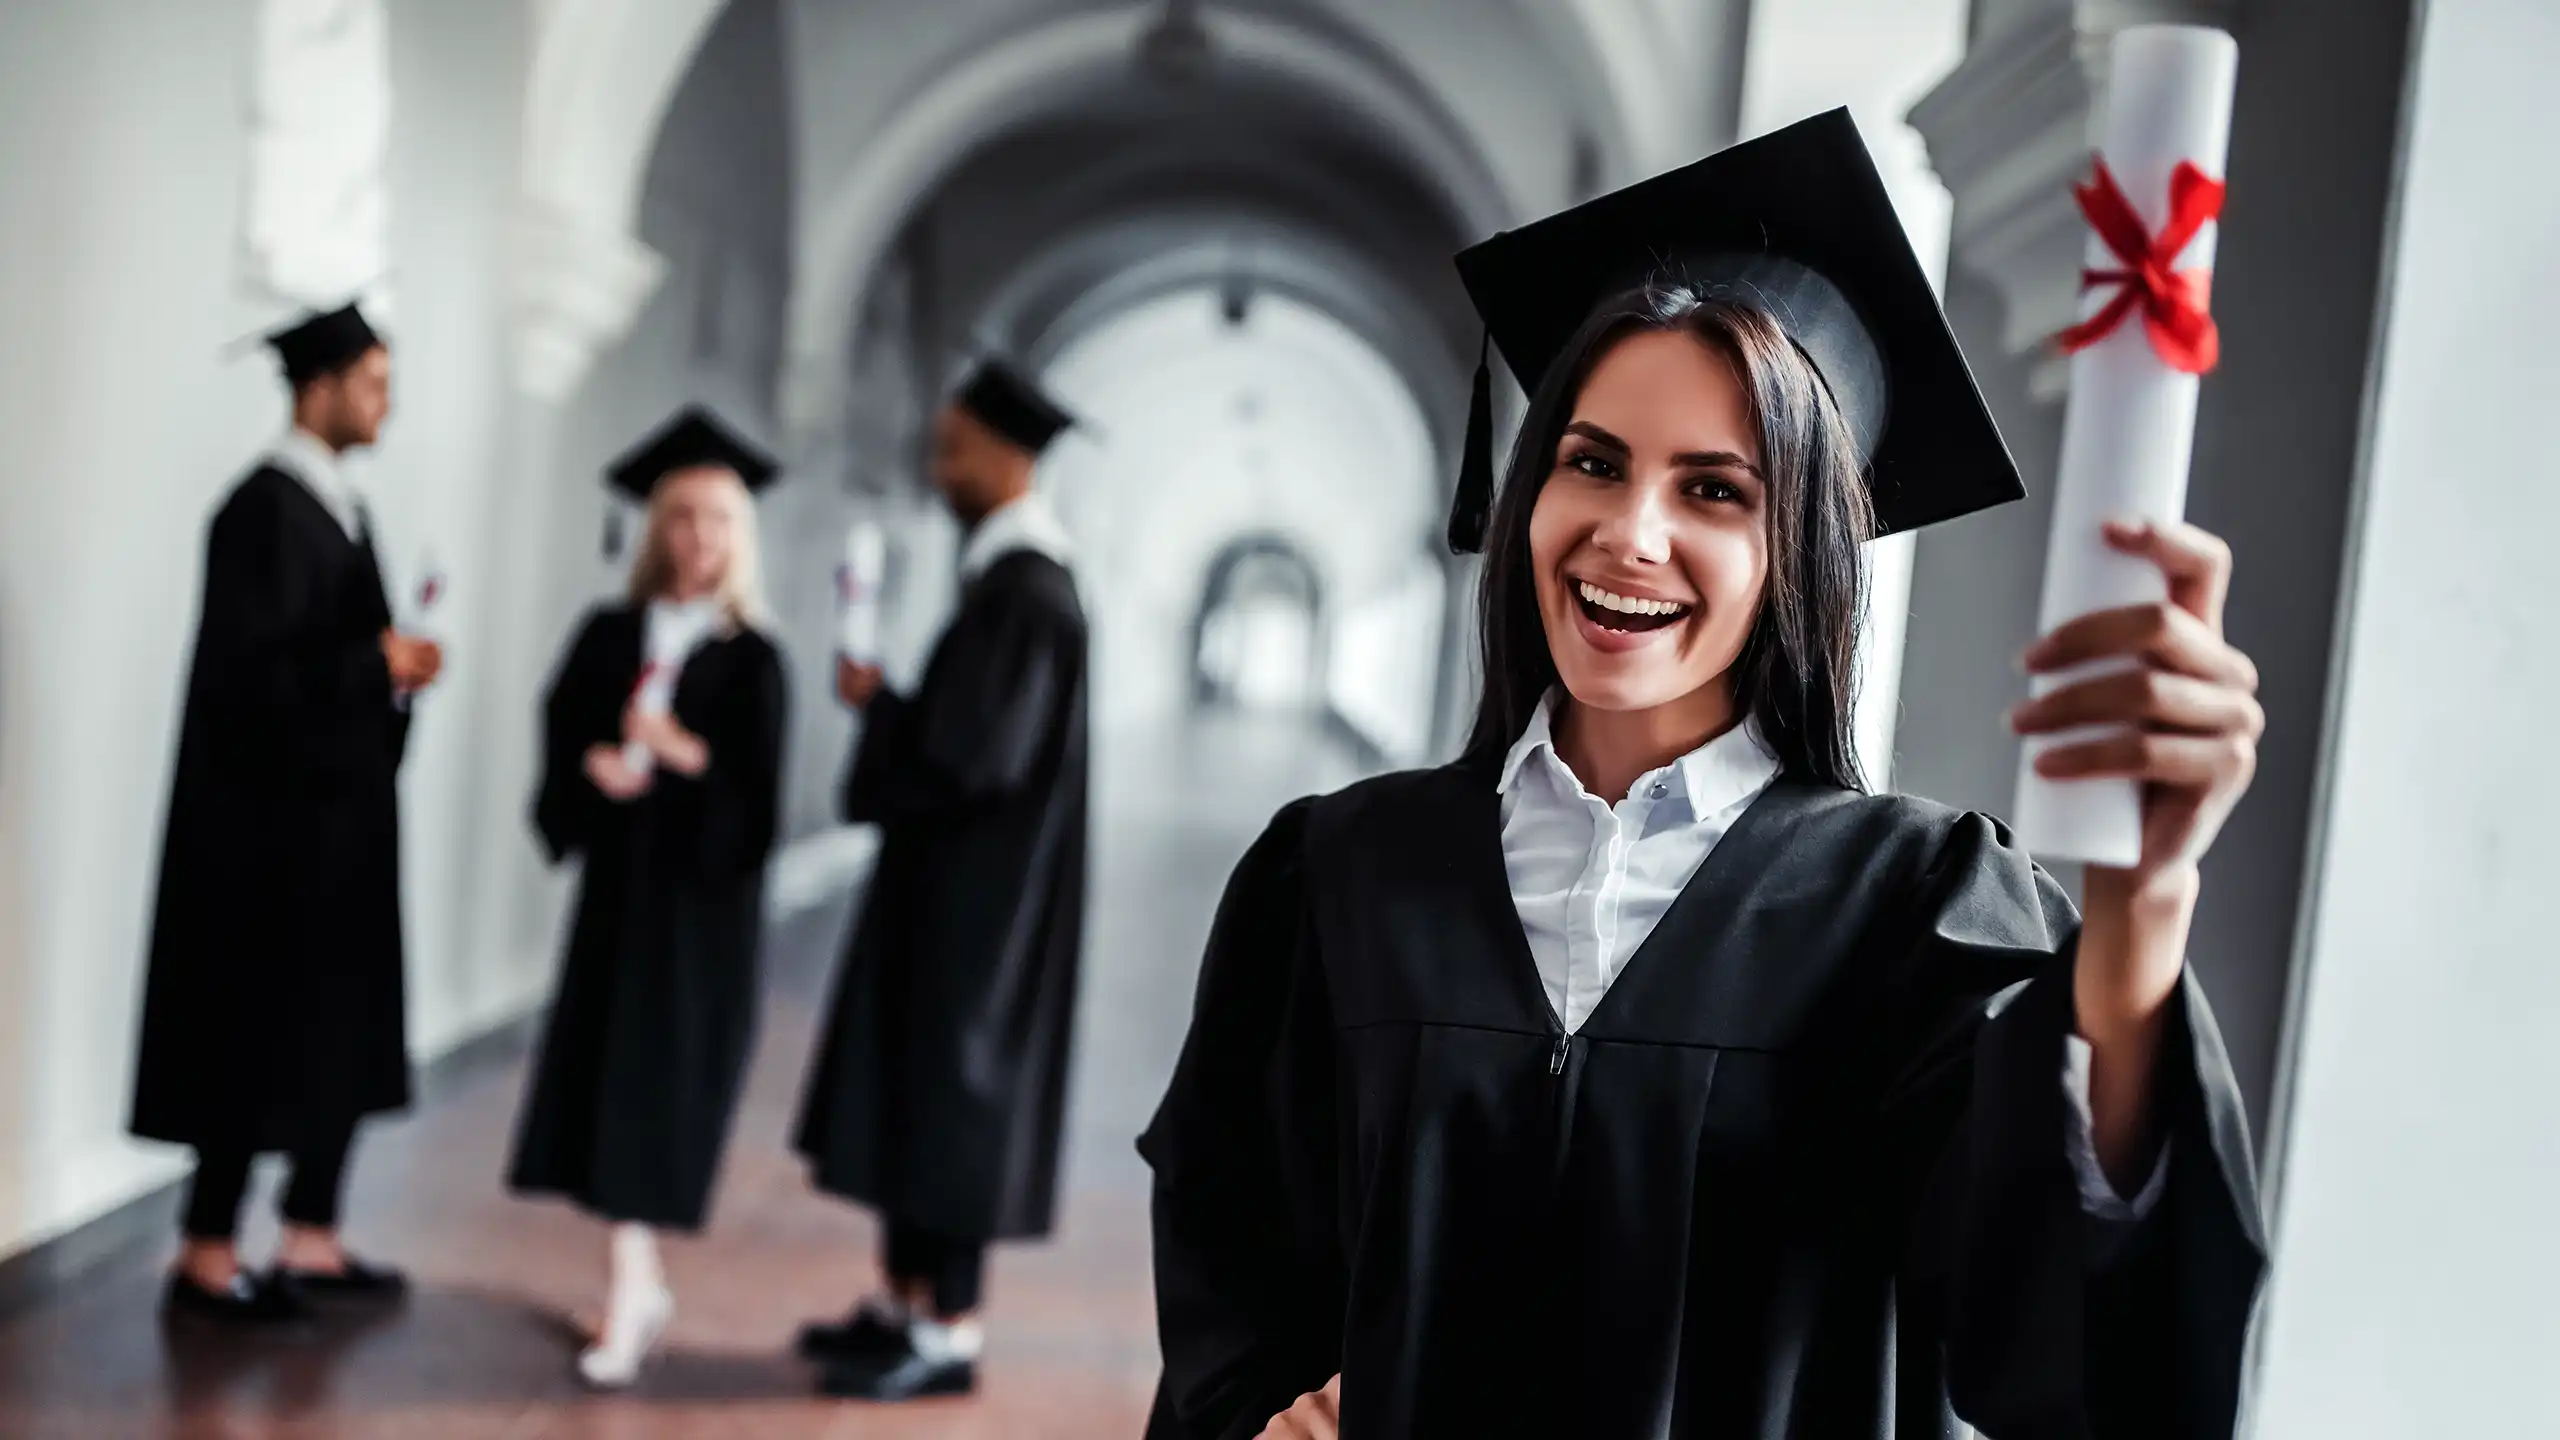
[{"x": 1365, "y": 137}]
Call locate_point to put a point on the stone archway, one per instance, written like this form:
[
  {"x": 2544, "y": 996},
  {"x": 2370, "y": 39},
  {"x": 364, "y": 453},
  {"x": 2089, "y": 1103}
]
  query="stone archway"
[
  {"x": 601, "y": 76},
  {"x": 848, "y": 232}
]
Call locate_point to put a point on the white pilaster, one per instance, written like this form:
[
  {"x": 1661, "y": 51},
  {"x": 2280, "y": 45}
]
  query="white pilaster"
[{"x": 575, "y": 288}]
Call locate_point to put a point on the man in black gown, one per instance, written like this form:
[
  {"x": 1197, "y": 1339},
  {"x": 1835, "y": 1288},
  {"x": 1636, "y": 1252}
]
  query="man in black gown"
[
  {"x": 272, "y": 1018},
  {"x": 940, "y": 1080}
]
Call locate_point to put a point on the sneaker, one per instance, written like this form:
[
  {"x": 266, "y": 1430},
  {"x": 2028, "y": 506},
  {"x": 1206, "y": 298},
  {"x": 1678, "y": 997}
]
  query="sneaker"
[
  {"x": 870, "y": 1332},
  {"x": 247, "y": 1301},
  {"x": 904, "y": 1375},
  {"x": 357, "y": 1282},
  {"x": 629, "y": 1336}
]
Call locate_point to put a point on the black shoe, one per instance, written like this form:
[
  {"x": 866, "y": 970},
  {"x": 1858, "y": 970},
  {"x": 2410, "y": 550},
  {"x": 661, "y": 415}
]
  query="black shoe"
[
  {"x": 902, "y": 1376},
  {"x": 865, "y": 1335},
  {"x": 357, "y": 1283},
  {"x": 249, "y": 1301}
]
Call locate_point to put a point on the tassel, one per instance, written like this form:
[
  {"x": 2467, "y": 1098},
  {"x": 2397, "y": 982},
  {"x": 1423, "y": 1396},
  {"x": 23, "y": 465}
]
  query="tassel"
[
  {"x": 612, "y": 531},
  {"x": 1472, "y": 505}
]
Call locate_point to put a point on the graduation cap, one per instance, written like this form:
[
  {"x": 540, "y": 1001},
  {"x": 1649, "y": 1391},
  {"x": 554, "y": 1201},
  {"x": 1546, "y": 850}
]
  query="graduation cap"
[
  {"x": 693, "y": 437},
  {"x": 1007, "y": 402},
  {"x": 322, "y": 343},
  {"x": 1797, "y": 223}
]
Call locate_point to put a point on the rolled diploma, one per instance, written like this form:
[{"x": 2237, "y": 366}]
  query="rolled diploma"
[
  {"x": 2131, "y": 420},
  {"x": 654, "y": 695},
  {"x": 866, "y": 556}
]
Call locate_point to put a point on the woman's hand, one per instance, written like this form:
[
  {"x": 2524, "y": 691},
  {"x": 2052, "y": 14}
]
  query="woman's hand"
[
  {"x": 612, "y": 777},
  {"x": 2188, "y": 723},
  {"x": 675, "y": 747},
  {"x": 1316, "y": 1416},
  {"x": 2188, "y": 708}
]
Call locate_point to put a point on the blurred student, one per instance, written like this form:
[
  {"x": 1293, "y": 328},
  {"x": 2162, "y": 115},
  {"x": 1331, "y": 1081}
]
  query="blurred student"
[
  {"x": 937, "y": 1092},
  {"x": 662, "y": 749},
  {"x": 272, "y": 1017}
]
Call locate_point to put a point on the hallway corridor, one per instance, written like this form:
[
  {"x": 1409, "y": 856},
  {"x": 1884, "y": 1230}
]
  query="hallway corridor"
[{"x": 483, "y": 1348}]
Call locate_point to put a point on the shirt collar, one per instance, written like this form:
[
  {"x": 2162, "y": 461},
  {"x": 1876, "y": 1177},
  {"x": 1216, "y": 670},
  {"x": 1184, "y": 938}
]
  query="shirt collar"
[
  {"x": 1023, "y": 523},
  {"x": 1728, "y": 768}
]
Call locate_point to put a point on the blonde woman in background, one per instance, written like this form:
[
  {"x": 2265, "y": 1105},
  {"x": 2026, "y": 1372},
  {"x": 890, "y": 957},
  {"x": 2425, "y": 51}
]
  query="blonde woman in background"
[{"x": 661, "y": 762}]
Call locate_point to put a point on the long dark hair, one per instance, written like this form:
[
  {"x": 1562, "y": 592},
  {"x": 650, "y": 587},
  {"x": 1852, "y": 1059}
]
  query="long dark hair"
[{"x": 1797, "y": 671}]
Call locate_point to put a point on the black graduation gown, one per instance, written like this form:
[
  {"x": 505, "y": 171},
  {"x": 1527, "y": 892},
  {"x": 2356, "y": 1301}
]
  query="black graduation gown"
[
  {"x": 647, "y": 1039},
  {"x": 1801, "y": 1174},
  {"x": 272, "y": 1016},
  {"x": 938, "y": 1091}
]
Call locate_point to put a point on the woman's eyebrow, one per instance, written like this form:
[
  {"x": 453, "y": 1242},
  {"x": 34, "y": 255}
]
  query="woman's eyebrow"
[
  {"x": 1715, "y": 460},
  {"x": 1598, "y": 436}
]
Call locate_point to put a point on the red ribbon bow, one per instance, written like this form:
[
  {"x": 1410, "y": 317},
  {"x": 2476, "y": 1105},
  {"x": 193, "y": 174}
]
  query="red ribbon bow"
[{"x": 2173, "y": 301}]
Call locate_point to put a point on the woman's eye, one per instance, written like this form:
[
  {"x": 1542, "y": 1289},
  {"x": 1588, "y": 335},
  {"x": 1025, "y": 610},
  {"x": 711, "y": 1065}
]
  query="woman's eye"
[
  {"x": 1591, "y": 464},
  {"x": 1720, "y": 491}
]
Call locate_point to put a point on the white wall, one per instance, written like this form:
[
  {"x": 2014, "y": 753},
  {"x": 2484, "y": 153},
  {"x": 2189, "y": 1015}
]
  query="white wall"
[
  {"x": 122, "y": 155},
  {"x": 2417, "y": 1276}
]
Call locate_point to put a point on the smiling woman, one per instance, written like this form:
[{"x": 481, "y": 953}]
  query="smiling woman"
[
  {"x": 1639, "y": 1073},
  {"x": 1652, "y": 482}
]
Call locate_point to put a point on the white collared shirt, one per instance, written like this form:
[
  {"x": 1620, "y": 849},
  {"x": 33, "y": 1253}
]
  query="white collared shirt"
[
  {"x": 303, "y": 456},
  {"x": 1591, "y": 880},
  {"x": 1024, "y": 523}
]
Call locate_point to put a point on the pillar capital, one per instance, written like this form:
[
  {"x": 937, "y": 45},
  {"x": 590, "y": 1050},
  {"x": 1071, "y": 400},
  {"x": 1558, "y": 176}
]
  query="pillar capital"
[
  {"x": 574, "y": 288},
  {"x": 2008, "y": 132}
]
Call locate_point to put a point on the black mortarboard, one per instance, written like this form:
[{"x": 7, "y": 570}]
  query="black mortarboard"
[
  {"x": 321, "y": 344},
  {"x": 1797, "y": 221},
  {"x": 693, "y": 436},
  {"x": 1007, "y": 402}
]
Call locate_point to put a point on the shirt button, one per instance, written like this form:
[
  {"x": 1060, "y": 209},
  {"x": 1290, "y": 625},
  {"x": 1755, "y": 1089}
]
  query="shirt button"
[{"x": 1660, "y": 789}]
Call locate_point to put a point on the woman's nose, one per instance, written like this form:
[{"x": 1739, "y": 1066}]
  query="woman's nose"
[{"x": 1636, "y": 527}]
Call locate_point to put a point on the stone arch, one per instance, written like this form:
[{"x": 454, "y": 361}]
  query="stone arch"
[
  {"x": 849, "y": 231},
  {"x": 601, "y": 77}
]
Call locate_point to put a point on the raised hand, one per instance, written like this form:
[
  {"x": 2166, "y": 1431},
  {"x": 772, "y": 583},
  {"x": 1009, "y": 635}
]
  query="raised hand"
[{"x": 2188, "y": 708}]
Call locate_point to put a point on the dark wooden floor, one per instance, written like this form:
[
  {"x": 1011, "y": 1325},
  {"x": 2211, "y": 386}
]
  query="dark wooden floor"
[{"x": 484, "y": 1348}]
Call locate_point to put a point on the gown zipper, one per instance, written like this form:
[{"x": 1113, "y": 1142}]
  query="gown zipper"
[{"x": 1564, "y": 1066}]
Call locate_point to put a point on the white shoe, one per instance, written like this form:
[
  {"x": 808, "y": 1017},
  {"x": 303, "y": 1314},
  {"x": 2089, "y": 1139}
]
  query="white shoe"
[{"x": 614, "y": 1361}]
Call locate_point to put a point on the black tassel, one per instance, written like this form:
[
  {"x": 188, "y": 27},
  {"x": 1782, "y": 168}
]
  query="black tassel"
[
  {"x": 1472, "y": 506},
  {"x": 612, "y": 531}
]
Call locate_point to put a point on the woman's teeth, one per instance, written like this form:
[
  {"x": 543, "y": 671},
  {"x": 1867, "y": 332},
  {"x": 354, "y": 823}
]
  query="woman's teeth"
[{"x": 1627, "y": 612}]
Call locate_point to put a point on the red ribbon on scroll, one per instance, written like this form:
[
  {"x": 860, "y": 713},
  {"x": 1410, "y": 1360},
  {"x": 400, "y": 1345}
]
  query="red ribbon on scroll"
[{"x": 2172, "y": 301}]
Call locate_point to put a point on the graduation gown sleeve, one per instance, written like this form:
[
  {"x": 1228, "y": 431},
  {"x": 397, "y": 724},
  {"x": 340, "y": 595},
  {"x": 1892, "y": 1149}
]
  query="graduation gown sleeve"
[
  {"x": 1249, "y": 1289},
  {"x": 979, "y": 731},
  {"x": 2045, "y": 1331},
  {"x": 582, "y": 708}
]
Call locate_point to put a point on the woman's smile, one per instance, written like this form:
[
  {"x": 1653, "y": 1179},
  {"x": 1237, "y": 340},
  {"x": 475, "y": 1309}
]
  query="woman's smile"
[{"x": 1615, "y": 617}]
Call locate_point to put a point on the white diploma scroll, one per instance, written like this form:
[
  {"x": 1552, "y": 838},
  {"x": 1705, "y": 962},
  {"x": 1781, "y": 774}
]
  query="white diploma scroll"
[
  {"x": 429, "y": 601},
  {"x": 2131, "y": 419},
  {"x": 858, "y": 581},
  {"x": 655, "y": 694}
]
